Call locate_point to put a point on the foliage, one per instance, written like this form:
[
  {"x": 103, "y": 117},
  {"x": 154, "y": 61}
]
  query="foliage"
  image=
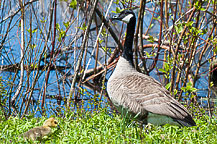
[
  {"x": 102, "y": 127},
  {"x": 174, "y": 43}
]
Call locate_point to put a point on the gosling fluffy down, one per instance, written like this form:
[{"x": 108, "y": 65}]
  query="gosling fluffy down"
[{"x": 41, "y": 131}]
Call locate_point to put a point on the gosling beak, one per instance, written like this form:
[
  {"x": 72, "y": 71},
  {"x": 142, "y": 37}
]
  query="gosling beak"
[{"x": 58, "y": 127}]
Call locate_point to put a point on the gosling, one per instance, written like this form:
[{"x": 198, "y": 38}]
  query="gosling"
[{"x": 39, "y": 132}]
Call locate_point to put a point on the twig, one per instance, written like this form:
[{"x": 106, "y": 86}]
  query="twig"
[
  {"x": 21, "y": 53},
  {"x": 39, "y": 61},
  {"x": 86, "y": 34},
  {"x": 141, "y": 52},
  {"x": 27, "y": 3},
  {"x": 177, "y": 47},
  {"x": 159, "y": 41},
  {"x": 51, "y": 58},
  {"x": 109, "y": 28},
  {"x": 100, "y": 30}
]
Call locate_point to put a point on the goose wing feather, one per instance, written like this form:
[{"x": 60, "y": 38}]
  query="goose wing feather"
[{"x": 141, "y": 93}]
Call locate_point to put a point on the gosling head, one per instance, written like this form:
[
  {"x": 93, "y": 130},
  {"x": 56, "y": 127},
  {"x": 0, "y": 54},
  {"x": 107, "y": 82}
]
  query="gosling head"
[
  {"x": 125, "y": 16},
  {"x": 51, "y": 122}
]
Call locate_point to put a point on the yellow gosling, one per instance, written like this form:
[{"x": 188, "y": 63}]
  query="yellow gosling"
[{"x": 40, "y": 132}]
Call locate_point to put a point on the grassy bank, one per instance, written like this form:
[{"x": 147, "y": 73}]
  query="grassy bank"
[{"x": 101, "y": 127}]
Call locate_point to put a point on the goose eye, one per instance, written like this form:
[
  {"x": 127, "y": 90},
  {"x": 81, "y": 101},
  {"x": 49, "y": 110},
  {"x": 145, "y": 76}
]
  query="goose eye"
[{"x": 115, "y": 16}]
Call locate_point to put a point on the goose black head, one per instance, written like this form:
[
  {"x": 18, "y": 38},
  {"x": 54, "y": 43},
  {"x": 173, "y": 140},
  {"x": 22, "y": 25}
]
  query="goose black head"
[{"x": 125, "y": 16}]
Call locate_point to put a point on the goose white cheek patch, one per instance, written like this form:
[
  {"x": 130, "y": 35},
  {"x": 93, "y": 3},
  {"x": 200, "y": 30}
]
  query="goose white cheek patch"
[{"x": 127, "y": 18}]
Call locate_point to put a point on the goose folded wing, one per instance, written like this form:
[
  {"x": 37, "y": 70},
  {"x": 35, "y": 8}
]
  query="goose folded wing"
[{"x": 150, "y": 95}]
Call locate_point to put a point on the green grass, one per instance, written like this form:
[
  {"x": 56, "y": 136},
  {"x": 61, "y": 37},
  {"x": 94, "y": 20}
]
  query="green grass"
[{"x": 100, "y": 127}]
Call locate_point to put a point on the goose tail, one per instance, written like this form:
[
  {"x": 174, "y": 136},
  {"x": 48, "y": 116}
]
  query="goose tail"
[{"x": 187, "y": 121}]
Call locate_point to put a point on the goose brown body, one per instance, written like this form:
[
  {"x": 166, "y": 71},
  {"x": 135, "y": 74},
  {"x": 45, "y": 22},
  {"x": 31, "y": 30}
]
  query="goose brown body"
[{"x": 141, "y": 94}]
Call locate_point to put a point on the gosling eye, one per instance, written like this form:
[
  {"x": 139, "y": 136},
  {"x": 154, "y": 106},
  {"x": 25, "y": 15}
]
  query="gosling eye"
[{"x": 55, "y": 122}]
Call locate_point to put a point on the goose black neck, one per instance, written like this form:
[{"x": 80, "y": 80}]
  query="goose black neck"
[{"x": 128, "y": 51}]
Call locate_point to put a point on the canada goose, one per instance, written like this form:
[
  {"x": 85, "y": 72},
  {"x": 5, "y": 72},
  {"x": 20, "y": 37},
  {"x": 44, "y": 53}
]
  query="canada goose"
[
  {"x": 40, "y": 132},
  {"x": 139, "y": 94}
]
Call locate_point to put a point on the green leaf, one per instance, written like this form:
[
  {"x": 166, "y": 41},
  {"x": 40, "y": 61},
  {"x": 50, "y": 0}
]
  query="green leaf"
[
  {"x": 35, "y": 30},
  {"x": 61, "y": 35},
  {"x": 147, "y": 54},
  {"x": 104, "y": 48},
  {"x": 193, "y": 89},
  {"x": 204, "y": 31},
  {"x": 189, "y": 23},
  {"x": 166, "y": 66},
  {"x": 179, "y": 28},
  {"x": 150, "y": 39},
  {"x": 100, "y": 40},
  {"x": 32, "y": 46},
  {"x": 189, "y": 84},
  {"x": 103, "y": 33},
  {"x": 202, "y": 9},
  {"x": 116, "y": 2},
  {"x": 183, "y": 88},
  {"x": 43, "y": 21},
  {"x": 168, "y": 85},
  {"x": 118, "y": 10},
  {"x": 57, "y": 26},
  {"x": 73, "y": 4},
  {"x": 151, "y": 25},
  {"x": 175, "y": 91},
  {"x": 156, "y": 18},
  {"x": 66, "y": 24},
  {"x": 215, "y": 50},
  {"x": 162, "y": 70},
  {"x": 28, "y": 30}
]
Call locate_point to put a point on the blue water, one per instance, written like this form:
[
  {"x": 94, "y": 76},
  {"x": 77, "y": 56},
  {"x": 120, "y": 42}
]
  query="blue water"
[{"x": 10, "y": 54}]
